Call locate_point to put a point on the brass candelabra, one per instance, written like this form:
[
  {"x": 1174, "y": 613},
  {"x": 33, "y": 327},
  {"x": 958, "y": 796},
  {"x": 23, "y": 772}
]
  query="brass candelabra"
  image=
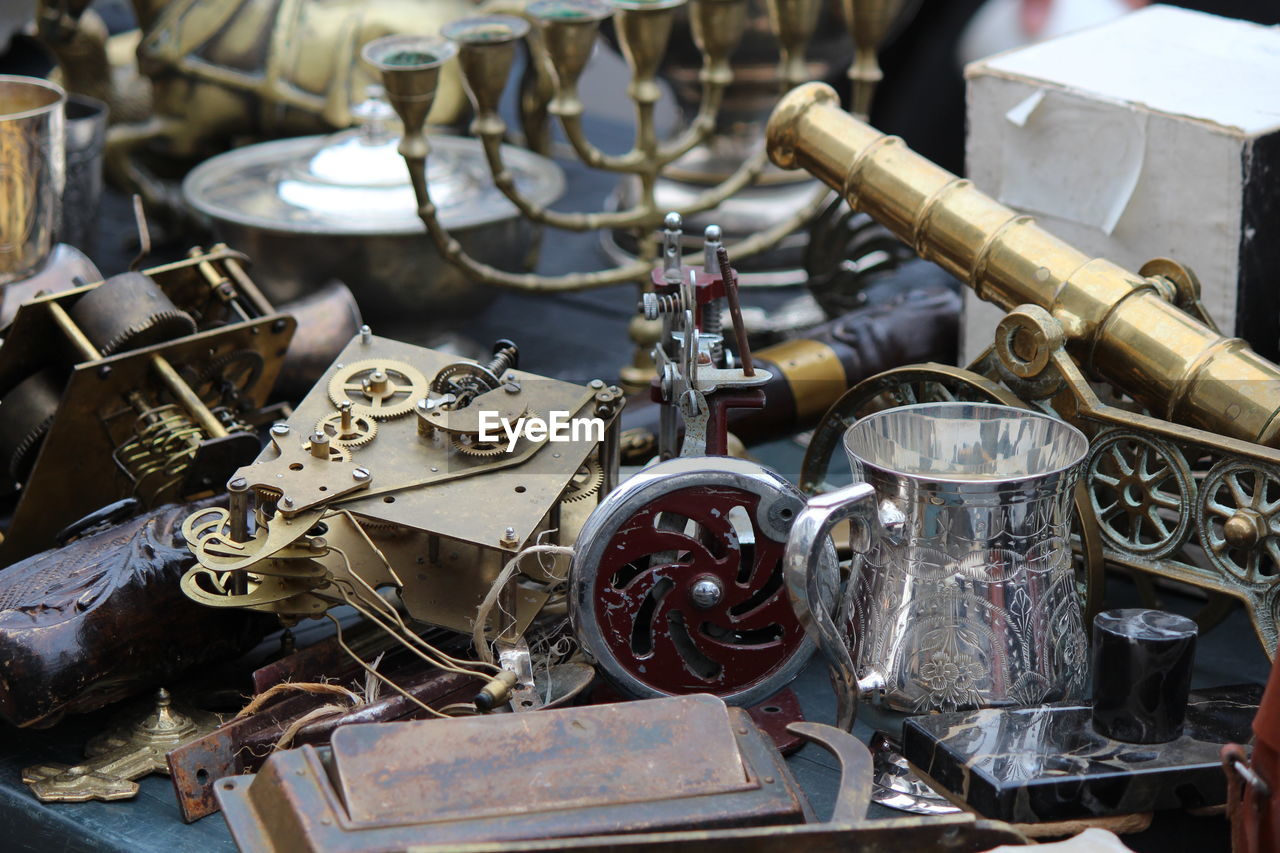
[{"x": 560, "y": 36}]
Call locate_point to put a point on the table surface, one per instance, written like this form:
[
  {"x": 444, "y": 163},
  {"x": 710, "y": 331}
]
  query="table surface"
[{"x": 577, "y": 337}]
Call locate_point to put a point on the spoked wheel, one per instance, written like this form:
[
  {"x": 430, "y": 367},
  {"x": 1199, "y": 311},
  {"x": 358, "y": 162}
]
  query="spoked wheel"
[
  {"x": 941, "y": 383},
  {"x": 677, "y": 584}
]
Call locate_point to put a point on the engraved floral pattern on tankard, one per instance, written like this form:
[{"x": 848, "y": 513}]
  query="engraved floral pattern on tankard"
[{"x": 963, "y": 593}]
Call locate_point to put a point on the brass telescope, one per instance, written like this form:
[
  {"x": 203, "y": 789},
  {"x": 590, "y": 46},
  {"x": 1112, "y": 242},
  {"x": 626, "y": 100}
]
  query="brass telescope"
[{"x": 1119, "y": 326}]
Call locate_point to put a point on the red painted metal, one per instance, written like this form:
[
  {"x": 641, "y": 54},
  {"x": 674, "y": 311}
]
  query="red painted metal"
[{"x": 655, "y": 630}]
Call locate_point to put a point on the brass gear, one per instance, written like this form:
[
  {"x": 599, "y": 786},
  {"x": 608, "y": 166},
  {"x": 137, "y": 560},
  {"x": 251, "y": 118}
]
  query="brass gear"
[
  {"x": 484, "y": 450},
  {"x": 585, "y": 482},
  {"x": 364, "y": 429},
  {"x": 400, "y": 387},
  {"x": 337, "y": 453},
  {"x": 465, "y": 380},
  {"x": 230, "y": 377},
  {"x": 127, "y": 312}
]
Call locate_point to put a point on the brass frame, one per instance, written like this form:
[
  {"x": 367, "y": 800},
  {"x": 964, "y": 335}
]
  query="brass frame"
[{"x": 76, "y": 471}]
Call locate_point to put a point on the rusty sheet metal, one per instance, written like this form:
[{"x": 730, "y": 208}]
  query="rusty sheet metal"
[
  {"x": 241, "y": 745},
  {"x": 294, "y": 803},
  {"x": 425, "y": 771}
]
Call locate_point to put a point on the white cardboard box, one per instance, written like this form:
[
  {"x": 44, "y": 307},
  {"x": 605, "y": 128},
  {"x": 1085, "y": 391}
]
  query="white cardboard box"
[{"x": 1157, "y": 134}]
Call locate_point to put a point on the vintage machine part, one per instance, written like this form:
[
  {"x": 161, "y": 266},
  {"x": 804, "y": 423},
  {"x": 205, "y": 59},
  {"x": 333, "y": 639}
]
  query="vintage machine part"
[
  {"x": 219, "y": 72},
  {"x": 311, "y": 208},
  {"x": 97, "y": 620},
  {"x": 150, "y": 389},
  {"x": 128, "y": 311},
  {"x": 676, "y": 583},
  {"x": 114, "y": 759},
  {"x": 811, "y": 372},
  {"x": 32, "y": 163},
  {"x": 602, "y": 767},
  {"x": 378, "y": 388},
  {"x": 310, "y": 528},
  {"x": 586, "y": 481},
  {"x": 698, "y": 381},
  {"x": 28, "y": 413},
  {"x": 1073, "y": 319},
  {"x": 65, "y": 263},
  {"x": 730, "y": 820},
  {"x": 347, "y": 428}
]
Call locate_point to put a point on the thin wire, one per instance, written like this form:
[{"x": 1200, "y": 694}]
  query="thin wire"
[
  {"x": 375, "y": 673},
  {"x": 394, "y": 614},
  {"x": 377, "y": 620},
  {"x": 491, "y": 598},
  {"x": 404, "y": 635}
]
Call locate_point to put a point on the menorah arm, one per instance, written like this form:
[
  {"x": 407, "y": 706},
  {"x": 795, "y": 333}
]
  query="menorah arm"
[
  {"x": 699, "y": 130},
  {"x": 575, "y": 221},
  {"x": 763, "y": 241},
  {"x": 633, "y": 162},
  {"x": 637, "y": 271},
  {"x": 744, "y": 175},
  {"x": 453, "y": 252}
]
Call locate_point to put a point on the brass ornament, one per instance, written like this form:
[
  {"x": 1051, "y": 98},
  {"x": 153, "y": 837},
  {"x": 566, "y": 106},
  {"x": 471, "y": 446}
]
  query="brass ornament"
[
  {"x": 1209, "y": 443},
  {"x": 121, "y": 755}
]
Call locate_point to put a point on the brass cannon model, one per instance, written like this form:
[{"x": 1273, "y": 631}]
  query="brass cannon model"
[{"x": 1183, "y": 478}]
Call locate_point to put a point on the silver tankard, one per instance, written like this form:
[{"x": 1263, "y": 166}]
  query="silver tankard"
[{"x": 963, "y": 593}]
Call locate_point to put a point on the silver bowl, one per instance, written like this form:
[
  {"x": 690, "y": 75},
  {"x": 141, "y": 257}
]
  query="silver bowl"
[{"x": 314, "y": 208}]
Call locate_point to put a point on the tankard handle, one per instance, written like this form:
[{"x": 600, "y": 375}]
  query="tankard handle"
[{"x": 802, "y": 565}]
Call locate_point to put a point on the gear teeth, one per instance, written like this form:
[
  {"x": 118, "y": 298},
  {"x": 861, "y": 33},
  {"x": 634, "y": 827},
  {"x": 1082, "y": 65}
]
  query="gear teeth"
[
  {"x": 24, "y": 455},
  {"x": 159, "y": 327},
  {"x": 585, "y": 483},
  {"x": 413, "y": 386},
  {"x": 365, "y": 429},
  {"x": 476, "y": 448}
]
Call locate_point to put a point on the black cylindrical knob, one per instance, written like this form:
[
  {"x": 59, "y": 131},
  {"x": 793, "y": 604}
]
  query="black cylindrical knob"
[{"x": 1141, "y": 674}]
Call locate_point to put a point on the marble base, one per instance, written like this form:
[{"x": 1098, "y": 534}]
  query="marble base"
[{"x": 1048, "y": 763}]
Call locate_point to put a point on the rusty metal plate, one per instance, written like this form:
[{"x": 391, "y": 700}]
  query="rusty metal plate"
[
  {"x": 293, "y": 802},
  {"x": 445, "y": 770}
]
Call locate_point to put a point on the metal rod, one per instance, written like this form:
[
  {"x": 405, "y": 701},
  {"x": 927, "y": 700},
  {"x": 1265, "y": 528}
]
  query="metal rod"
[
  {"x": 69, "y": 328},
  {"x": 735, "y": 311},
  {"x": 187, "y": 398},
  {"x": 250, "y": 290},
  {"x": 610, "y": 455}
]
